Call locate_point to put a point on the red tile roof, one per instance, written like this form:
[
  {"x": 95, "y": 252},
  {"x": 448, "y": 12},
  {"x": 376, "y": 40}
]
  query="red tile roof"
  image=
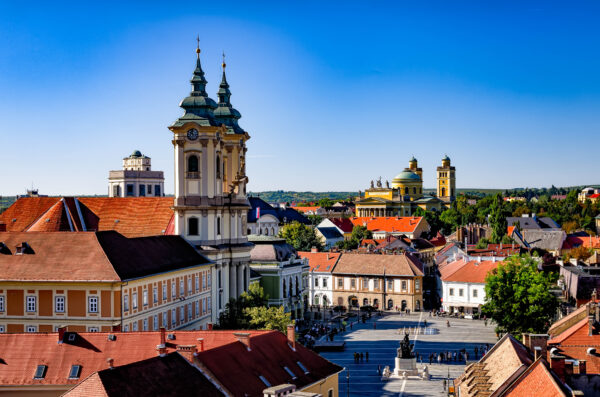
[
  {"x": 344, "y": 224},
  {"x": 404, "y": 224},
  {"x": 239, "y": 368},
  {"x": 376, "y": 264},
  {"x": 539, "y": 381},
  {"x": 22, "y": 353},
  {"x": 130, "y": 216},
  {"x": 439, "y": 240},
  {"x": 574, "y": 342},
  {"x": 306, "y": 209},
  {"x": 323, "y": 262},
  {"x": 577, "y": 241},
  {"x": 469, "y": 272}
]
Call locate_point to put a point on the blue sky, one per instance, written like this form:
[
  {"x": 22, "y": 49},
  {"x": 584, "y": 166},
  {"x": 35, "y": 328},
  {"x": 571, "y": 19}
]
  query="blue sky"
[{"x": 334, "y": 94}]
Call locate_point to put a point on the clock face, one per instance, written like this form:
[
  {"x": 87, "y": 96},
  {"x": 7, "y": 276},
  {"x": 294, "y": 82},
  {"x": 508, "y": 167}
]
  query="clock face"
[{"x": 192, "y": 134}]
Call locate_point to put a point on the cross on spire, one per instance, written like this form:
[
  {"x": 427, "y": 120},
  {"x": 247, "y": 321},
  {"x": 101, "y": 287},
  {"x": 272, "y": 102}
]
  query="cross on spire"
[
  {"x": 198, "y": 45},
  {"x": 224, "y": 64}
]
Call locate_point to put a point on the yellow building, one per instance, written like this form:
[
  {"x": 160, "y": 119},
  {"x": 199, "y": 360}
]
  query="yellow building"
[
  {"x": 402, "y": 198},
  {"x": 446, "y": 181}
]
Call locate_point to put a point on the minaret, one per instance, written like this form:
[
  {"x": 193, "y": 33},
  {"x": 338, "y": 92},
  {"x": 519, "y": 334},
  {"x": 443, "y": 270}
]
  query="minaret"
[
  {"x": 210, "y": 195},
  {"x": 446, "y": 181}
]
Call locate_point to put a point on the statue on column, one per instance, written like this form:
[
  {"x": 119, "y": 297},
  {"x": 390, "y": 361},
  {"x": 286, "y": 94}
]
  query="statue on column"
[
  {"x": 387, "y": 184},
  {"x": 372, "y": 184},
  {"x": 379, "y": 182},
  {"x": 405, "y": 350}
]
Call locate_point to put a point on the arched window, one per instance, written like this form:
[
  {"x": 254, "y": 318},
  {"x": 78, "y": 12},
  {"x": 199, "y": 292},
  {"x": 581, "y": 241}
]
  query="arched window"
[
  {"x": 193, "y": 226},
  {"x": 365, "y": 302},
  {"x": 316, "y": 300},
  {"x": 443, "y": 192},
  {"x": 272, "y": 231},
  {"x": 266, "y": 231},
  {"x": 218, "y": 167},
  {"x": 192, "y": 163},
  {"x": 414, "y": 190},
  {"x": 284, "y": 295},
  {"x": 218, "y": 225},
  {"x": 390, "y": 304},
  {"x": 405, "y": 190}
]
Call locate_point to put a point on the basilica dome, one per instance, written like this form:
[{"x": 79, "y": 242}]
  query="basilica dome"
[{"x": 406, "y": 176}]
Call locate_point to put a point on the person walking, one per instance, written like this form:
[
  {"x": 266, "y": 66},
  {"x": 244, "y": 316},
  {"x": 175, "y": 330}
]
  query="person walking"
[
  {"x": 430, "y": 358},
  {"x": 379, "y": 370},
  {"x": 439, "y": 358},
  {"x": 361, "y": 357},
  {"x": 448, "y": 323},
  {"x": 367, "y": 356}
]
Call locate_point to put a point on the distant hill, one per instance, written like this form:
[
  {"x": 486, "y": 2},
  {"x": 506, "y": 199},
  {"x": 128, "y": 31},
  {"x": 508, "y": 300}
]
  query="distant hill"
[{"x": 6, "y": 201}]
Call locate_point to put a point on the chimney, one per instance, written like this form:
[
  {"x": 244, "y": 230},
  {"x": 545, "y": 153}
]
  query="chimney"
[
  {"x": 161, "y": 349},
  {"x": 2, "y": 227},
  {"x": 582, "y": 367},
  {"x": 537, "y": 352},
  {"x": 110, "y": 362},
  {"x": 200, "y": 344},
  {"x": 291, "y": 335},
  {"x": 187, "y": 351},
  {"x": 209, "y": 326},
  {"x": 61, "y": 333},
  {"x": 243, "y": 337},
  {"x": 568, "y": 368},
  {"x": 162, "y": 336},
  {"x": 557, "y": 364},
  {"x": 314, "y": 250}
]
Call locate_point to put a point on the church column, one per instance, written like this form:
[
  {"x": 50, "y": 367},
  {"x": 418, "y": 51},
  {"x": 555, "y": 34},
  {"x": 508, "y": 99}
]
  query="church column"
[{"x": 241, "y": 286}]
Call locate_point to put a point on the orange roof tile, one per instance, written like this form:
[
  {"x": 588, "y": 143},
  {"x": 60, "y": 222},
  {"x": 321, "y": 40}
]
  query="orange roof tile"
[
  {"x": 403, "y": 224},
  {"x": 26, "y": 211},
  {"x": 537, "y": 380},
  {"x": 306, "y": 209},
  {"x": 53, "y": 220},
  {"x": 375, "y": 264},
  {"x": 322, "y": 262},
  {"x": 469, "y": 272}
]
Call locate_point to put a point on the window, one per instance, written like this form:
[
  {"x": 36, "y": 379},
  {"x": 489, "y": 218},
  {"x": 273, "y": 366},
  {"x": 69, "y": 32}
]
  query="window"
[
  {"x": 164, "y": 323},
  {"x": 208, "y": 279},
  {"x": 375, "y": 283},
  {"x": 155, "y": 322},
  {"x": 290, "y": 373},
  {"x": 403, "y": 284},
  {"x": 417, "y": 284},
  {"x": 264, "y": 380},
  {"x": 218, "y": 167},
  {"x": 203, "y": 306},
  {"x": 74, "y": 372},
  {"x": 93, "y": 329},
  {"x": 59, "y": 304},
  {"x": 316, "y": 282},
  {"x": 390, "y": 285},
  {"x": 126, "y": 327},
  {"x": 173, "y": 317},
  {"x": 352, "y": 283},
  {"x": 173, "y": 292},
  {"x": 93, "y": 304},
  {"x": 134, "y": 301},
  {"x": 2, "y": 330},
  {"x": 40, "y": 372},
  {"x": 164, "y": 288},
  {"x": 218, "y": 226},
  {"x": 330, "y": 393},
  {"x": 155, "y": 295},
  {"x": 365, "y": 283},
  {"x": 182, "y": 314},
  {"x": 340, "y": 282},
  {"x": 302, "y": 367},
  {"x": 1, "y": 303},
  {"x": 192, "y": 163},
  {"x": 203, "y": 281},
  {"x": 193, "y": 226},
  {"x": 189, "y": 286},
  {"x": 197, "y": 282},
  {"x": 197, "y": 308},
  {"x": 157, "y": 190},
  {"x": 149, "y": 190},
  {"x": 324, "y": 283},
  {"x": 460, "y": 292},
  {"x": 451, "y": 293},
  {"x": 189, "y": 313},
  {"x": 31, "y": 304},
  {"x": 126, "y": 302},
  {"x": 474, "y": 293},
  {"x": 134, "y": 326},
  {"x": 208, "y": 304},
  {"x": 142, "y": 190},
  {"x": 31, "y": 328},
  {"x": 181, "y": 290},
  {"x": 145, "y": 297},
  {"x": 145, "y": 324},
  {"x": 129, "y": 190}
]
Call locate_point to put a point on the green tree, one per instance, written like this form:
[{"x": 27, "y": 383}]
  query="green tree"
[
  {"x": 269, "y": 317},
  {"x": 497, "y": 220},
  {"x": 450, "y": 220},
  {"x": 358, "y": 234},
  {"x": 325, "y": 202},
  {"x": 300, "y": 236},
  {"x": 518, "y": 296},
  {"x": 234, "y": 316}
]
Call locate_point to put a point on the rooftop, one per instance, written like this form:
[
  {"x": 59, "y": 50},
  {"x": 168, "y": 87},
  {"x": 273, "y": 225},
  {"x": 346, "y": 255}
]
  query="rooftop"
[{"x": 375, "y": 264}]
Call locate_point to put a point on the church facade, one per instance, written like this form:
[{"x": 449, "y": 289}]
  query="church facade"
[
  {"x": 210, "y": 202},
  {"x": 405, "y": 194}
]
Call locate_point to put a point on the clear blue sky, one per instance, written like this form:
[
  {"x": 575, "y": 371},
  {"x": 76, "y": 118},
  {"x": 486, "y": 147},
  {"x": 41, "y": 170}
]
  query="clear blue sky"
[{"x": 334, "y": 94}]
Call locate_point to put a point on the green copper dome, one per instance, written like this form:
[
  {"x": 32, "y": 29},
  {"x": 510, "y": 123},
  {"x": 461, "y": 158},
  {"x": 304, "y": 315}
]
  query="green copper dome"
[
  {"x": 136, "y": 153},
  {"x": 446, "y": 158},
  {"x": 406, "y": 176},
  {"x": 413, "y": 159},
  {"x": 225, "y": 113}
]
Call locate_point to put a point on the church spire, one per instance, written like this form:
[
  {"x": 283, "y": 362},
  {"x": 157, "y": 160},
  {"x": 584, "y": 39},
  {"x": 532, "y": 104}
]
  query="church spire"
[
  {"x": 225, "y": 112},
  {"x": 198, "y": 106}
]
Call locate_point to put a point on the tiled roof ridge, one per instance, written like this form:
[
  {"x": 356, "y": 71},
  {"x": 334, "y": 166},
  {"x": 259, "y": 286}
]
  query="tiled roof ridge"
[
  {"x": 565, "y": 320},
  {"x": 41, "y": 216},
  {"x": 559, "y": 338},
  {"x": 96, "y": 241},
  {"x": 512, "y": 383}
]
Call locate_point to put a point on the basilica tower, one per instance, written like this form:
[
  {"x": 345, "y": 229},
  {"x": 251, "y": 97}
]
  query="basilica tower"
[
  {"x": 210, "y": 186},
  {"x": 446, "y": 181}
]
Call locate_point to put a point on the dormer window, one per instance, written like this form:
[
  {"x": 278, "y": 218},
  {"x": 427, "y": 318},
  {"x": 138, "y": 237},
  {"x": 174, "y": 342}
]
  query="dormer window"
[
  {"x": 302, "y": 367},
  {"x": 4, "y": 249},
  {"x": 264, "y": 380},
  {"x": 40, "y": 372},
  {"x": 74, "y": 372},
  {"x": 23, "y": 248},
  {"x": 289, "y": 371}
]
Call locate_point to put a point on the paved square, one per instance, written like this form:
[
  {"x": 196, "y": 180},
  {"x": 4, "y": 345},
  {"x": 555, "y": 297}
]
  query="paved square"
[{"x": 383, "y": 342}]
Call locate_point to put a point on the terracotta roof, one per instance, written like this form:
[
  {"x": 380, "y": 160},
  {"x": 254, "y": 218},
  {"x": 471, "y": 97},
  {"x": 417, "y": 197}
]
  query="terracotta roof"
[
  {"x": 439, "y": 240},
  {"x": 22, "y": 353},
  {"x": 269, "y": 356},
  {"x": 130, "y": 216},
  {"x": 499, "y": 250},
  {"x": 403, "y": 224},
  {"x": 306, "y": 209},
  {"x": 469, "y": 272},
  {"x": 171, "y": 375},
  {"x": 577, "y": 241},
  {"x": 537, "y": 380},
  {"x": 344, "y": 224},
  {"x": 322, "y": 262},
  {"x": 510, "y": 230},
  {"x": 375, "y": 264},
  {"x": 567, "y": 321},
  {"x": 93, "y": 256}
]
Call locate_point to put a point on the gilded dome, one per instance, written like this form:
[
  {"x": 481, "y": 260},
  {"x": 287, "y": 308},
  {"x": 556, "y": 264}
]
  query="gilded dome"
[{"x": 406, "y": 176}]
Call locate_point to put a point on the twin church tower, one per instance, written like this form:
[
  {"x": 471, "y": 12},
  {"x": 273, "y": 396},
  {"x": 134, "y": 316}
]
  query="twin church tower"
[{"x": 210, "y": 185}]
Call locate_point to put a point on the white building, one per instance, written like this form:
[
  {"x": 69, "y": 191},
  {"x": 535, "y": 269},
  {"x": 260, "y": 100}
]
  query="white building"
[
  {"x": 136, "y": 179},
  {"x": 265, "y": 219},
  {"x": 320, "y": 279},
  {"x": 463, "y": 284}
]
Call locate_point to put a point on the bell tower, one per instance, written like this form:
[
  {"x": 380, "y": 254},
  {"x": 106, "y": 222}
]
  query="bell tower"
[
  {"x": 446, "y": 181},
  {"x": 210, "y": 202}
]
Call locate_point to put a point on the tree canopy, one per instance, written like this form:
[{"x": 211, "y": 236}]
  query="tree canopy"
[
  {"x": 300, "y": 236},
  {"x": 518, "y": 296},
  {"x": 358, "y": 234}
]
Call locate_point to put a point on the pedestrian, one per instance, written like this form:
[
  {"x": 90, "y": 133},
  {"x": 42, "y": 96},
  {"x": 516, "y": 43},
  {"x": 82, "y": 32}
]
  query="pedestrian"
[
  {"x": 374, "y": 325},
  {"x": 439, "y": 358},
  {"x": 476, "y": 352},
  {"x": 361, "y": 357},
  {"x": 466, "y": 357},
  {"x": 367, "y": 356},
  {"x": 448, "y": 323},
  {"x": 430, "y": 358},
  {"x": 351, "y": 326},
  {"x": 379, "y": 370}
]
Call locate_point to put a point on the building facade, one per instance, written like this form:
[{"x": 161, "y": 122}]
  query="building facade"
[
  {"x": 320, "y": 279},
  {"x": 386, "y": 282},
  {"x": 136, "y": 179},
  {"x": 446, "y": 181},
  {"x": 210, "y": 185},
  {"x": 101, "y": 281}
]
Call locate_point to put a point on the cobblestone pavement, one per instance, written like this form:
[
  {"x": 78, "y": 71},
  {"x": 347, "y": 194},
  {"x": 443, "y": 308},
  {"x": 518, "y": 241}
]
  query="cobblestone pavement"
[{"x": 383, "y": 342}]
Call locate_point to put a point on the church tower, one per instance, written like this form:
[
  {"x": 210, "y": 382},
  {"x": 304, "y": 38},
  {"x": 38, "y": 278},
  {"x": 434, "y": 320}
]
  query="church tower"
[
  {"x": 446, "y": 181},
  {"x": 210, "y": 186}
]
